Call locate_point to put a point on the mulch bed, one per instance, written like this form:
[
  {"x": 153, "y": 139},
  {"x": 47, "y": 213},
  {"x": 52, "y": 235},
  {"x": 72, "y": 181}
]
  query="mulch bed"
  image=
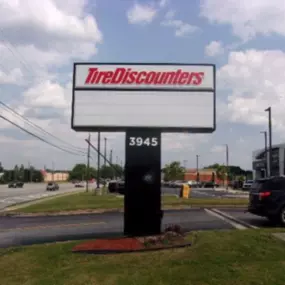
[{"x": 166, "y": 240}]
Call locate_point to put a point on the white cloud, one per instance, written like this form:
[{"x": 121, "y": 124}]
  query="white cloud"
[
  {"x": 247, "y": 18},
  {"x": 37, "y": 40},
  {"x": 141, "y": 13},
  {"x": 181, "y": 28},
  {"x": 37, "y": 36},
  {"x": 48, "y": 94},
  {"x": 163, "y": 3},
  {"x": 49, "y": 19},
  {"x": 214, "y": 48},
  {"x": 255, "y": 80},
  {"x": 14, "y": 76},
  {"x": 218, "y": 149}
]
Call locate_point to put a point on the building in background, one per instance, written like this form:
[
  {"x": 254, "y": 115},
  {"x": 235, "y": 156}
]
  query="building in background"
[
  {"x": 205, "y": 175},
  {"x": 56, "y": 176},
  {"x": 260, "y": 160}
]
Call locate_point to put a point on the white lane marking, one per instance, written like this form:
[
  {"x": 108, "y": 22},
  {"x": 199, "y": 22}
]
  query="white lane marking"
[
  {"x": 234, "y": 224},
  {"x": 13, "y": 199},
  {"x": 231, "y": 217}
]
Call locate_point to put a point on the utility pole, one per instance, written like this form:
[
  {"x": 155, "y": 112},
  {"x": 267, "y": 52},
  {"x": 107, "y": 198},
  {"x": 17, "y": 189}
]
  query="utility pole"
[
  {"x": 111, "y": 160},
  {"x": 197, "y": 167},
  {"x": 227, "y": 165},
  {"x": 111, "y": 156},
  {"x": 100, "y": 154},
  {"x": 105, "y": 150},
  {"x": 52, "y": 171},
  {"x": 270, "y": 140},
  {"x": 88, "y": 164},
  {"x": 98, "y": 160},
  {"x": 265, "y": 152},
  {"x": 30, "y": 172}
]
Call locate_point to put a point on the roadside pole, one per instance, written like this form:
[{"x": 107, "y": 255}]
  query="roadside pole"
[
  {"x": 98, "y": 160},
  {"x": 227, "y": 163},
  {"x": 88, "y": 164}
]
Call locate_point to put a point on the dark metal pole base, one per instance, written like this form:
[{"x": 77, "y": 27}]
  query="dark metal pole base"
[{"x": 143, "y": 213}]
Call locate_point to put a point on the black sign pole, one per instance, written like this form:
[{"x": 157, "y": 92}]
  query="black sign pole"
[{"x": 143, "y": 213}]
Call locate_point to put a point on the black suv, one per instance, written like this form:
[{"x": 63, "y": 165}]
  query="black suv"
[
  {"x": 267, "y": 199},
  {"x": 117, "y": 187}
]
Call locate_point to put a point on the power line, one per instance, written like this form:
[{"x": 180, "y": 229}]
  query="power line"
[
  {"x": 23, "y": 62},
  {"x": 41, "y": 129},
  {"x": 38, "y": 137}
]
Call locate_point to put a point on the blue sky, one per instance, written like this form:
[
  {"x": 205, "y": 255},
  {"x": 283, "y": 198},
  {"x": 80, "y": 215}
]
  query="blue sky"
[{"x": 38, "y": 48}]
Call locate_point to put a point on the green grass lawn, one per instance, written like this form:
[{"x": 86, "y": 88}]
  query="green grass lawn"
[
  {"x": 89, "y": 201},
  {"x": 250, "y": 257}
]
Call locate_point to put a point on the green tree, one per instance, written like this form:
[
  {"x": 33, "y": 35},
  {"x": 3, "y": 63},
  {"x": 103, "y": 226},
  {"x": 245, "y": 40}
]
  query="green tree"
[
  {"x": 222, "y": 173},
  {"x": 37, "y": 176},
  {"x": 79, "y": 172},
  {"x": 234, "y": 171},
  {"x": 111, "y": 171},
  {"x": 21, "y": 172},
  {"x": 1, "y": 168},
  {"x": 16, "y": 172},
  {"x": 173, "y": 171}
]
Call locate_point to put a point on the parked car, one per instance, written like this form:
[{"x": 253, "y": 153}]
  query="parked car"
[
  {"x": 117, "y": 186},
  {"x": 237, "y": 184},
  {"x": 16, "y": 184},
  {"x": 80, "y": 184},
  {"x": 178, "y": 183},
  {"x": 52, "y": 186},
  {"x": 247, "y": 185},
  {"x": 267, "y": 199},
  {"x": 113, "y": 186}
]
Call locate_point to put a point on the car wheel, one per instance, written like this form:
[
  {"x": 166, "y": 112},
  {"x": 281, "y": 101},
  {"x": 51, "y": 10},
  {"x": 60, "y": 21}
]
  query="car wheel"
[
  {"x": 282, "y": 217},
  {"x": 272, "y": 219}
]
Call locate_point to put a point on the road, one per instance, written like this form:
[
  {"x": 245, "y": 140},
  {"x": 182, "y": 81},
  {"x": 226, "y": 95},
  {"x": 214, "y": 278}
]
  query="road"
[
  {"x": 10, "y": 196},
  {"x": 31, "y": 230}
]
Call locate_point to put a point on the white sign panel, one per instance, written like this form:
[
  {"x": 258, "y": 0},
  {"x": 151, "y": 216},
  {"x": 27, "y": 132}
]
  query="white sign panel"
[{"x": 114, "y": 97}]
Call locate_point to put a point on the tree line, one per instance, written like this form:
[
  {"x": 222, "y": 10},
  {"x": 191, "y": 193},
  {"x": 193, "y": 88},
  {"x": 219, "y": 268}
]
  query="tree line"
[
  {"x": 78, "y": 172},
  {"x": 20, "y": 173},
  {"x": 81, "y": 172}
]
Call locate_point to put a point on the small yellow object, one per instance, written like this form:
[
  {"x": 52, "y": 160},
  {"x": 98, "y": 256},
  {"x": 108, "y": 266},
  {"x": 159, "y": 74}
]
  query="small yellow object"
[{"x": 185, "y": 191}]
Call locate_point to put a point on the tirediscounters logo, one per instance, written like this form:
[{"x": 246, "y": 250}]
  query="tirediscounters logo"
[
  {"x": 131, "y": 76},
  {"x": 144, "y": 76}
]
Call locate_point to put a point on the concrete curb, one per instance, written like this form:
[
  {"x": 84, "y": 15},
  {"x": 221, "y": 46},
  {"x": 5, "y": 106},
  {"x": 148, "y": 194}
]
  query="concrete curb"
[
  {"x": 116, "y": 210},
  {"x": 236, "y": 220}
]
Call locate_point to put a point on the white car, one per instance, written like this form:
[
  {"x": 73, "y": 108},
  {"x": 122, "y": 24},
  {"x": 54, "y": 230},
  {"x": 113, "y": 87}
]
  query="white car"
[
  {"x": 247, "y": 184},
  {"x": 80, "y": 184},
  {"x": 179, "y": 183}
]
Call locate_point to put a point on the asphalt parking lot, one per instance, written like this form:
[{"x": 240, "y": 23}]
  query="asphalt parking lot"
[{"x": 207, "y": 193}]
